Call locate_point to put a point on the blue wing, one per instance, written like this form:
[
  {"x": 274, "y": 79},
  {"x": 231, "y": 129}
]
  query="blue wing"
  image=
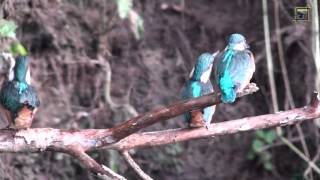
[
  {"x": 242, "y": 69},
  {"x": 191, "y": 89},
  {"x": 223, "y": 78},
  {"x": 208, "y": 111},
  {"x": 194, "y": 89}
]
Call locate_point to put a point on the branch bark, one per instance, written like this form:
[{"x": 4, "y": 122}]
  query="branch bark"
[
  {"x": 78, "y": 142},
  {"x": 124, "y": 136},
  {"x": 148, "y": 139},
  {"x": 40, "y": 139},
  {"x": 135, "y": 166},
  {"x": 91, "y": 164}
]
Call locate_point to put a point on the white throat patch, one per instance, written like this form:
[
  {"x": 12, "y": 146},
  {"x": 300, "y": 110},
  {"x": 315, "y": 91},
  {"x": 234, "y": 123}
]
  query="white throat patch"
[
  {"x": 240, "y": 46},
  {"x": 28, "y": 77},
  {"x": 10, "y": 59},
  {"x": 206, "y": 75}
]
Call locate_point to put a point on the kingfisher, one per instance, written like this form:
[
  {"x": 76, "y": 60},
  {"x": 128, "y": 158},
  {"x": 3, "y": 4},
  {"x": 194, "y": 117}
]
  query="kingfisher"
[
  {"x": 199, "y": 84},
  {"x": 19, "y": 100},
  {"x": 233, "y": 68}
]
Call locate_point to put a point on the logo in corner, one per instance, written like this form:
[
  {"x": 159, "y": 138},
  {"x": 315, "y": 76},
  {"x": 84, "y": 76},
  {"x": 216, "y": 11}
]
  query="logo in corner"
[{"x": 301, "y": 13}]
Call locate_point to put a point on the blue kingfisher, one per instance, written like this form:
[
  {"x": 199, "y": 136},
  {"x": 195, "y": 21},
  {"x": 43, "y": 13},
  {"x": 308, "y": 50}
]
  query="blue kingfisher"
[
  {"x": 19, "y": 100},
  {"x": 233, "y": 68},
  {"x": 198, "y": 85}
]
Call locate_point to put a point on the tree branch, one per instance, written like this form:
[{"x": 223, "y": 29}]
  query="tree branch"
[
  {"x": 91, "y": 164},
  {"x": 283, "y": 118},
  {"x": 40, "y": 139},
  {"x": 124, "y": 137},
  {"x": 135, "y": 166}
]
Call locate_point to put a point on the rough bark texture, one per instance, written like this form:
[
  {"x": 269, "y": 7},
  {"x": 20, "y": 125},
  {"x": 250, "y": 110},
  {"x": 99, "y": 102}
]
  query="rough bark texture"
[
  {"x": 40, "y": 139},
  {"x": 124, "y": 137}
]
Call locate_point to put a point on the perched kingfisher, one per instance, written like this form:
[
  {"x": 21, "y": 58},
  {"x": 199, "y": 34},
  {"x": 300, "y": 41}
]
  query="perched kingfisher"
[
  {"x": 233, "y": 68},
  {"x": 198, "y": 85},
  {"x": 19, "y": 100}
]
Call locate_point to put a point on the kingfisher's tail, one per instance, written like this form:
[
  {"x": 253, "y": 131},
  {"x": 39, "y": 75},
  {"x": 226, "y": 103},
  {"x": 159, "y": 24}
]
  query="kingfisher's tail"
[
  {"x": 228, "y": 91},
  {"x": 228, "y": 95},
  {"x": 226, "y": 83},
  {"x": 187, "y": 117}
]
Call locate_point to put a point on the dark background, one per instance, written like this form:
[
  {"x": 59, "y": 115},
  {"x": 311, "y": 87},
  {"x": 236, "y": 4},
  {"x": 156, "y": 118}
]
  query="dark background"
[{"x": 70, "y": 42}]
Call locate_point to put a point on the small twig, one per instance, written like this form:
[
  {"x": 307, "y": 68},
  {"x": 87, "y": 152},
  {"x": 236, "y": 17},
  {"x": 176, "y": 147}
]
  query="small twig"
[
  {"x": 135, "y": 166},
  {"x": 92, "y": 165},
  {"x": 269, "y": 56},
  {"x": 301, "y": 155},
  {"x": 285, "y": 75},
  {"x": 273, "y": 89},
  {"x": 308, "y": 170},
  {"x": 277, "y": 144},
  {"x": 316, "y": 40}
]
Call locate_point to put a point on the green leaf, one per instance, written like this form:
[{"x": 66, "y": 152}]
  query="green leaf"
[
  {"x": 268, "y": 166},
  {"x": 261, "y": 134},
  {"x": 257, "y": 145},
  {"x": 270, "y": 136},
  {"x": 18, "y": 49},
  {"x": 136, "y": 24},
  {"x": 124, "y": 7},
  {"x": 174, "y": 149},
  {"x": 265, "y": 156},
  {"x": 251, "y": 155},
  {"x": 7, "y": 28},
  {"x": 139, "y": 28}
]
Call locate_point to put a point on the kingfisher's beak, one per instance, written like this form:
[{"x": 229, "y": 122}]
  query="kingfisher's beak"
[
  {"x": 247, "y": 45},
  {"x": 215, "y": 54}
]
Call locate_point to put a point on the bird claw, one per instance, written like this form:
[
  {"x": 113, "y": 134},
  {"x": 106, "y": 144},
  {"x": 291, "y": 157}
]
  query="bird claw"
[{"x": 209, "y": 128}]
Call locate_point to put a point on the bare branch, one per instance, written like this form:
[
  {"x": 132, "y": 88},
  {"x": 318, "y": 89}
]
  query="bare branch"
[
  {"x": 92, "y": 165},
  {"x": 162, "y": 114},
  {"x": 40, "y": 139},
  {"x": 77, "y": 142},
  {"x": 135, "y": 166},
  {"x": 157, "y": 138}
]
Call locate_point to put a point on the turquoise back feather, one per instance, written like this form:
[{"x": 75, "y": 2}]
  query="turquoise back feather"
[
  {"x": 20, "y": 72},
  {"x": 226, "y": 82},
  {"x": 195, "y": 88},
  {"x": 203, "y": 63}
]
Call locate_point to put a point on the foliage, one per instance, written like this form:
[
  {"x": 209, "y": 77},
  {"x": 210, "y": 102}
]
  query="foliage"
[
  {"x": 124, "y": 7},
  {"x": 125, "y": 10},
  {"x": 263, "y": 138},
  {"x": 7, "y": 28},
  {"x": 170, "y": 158}
]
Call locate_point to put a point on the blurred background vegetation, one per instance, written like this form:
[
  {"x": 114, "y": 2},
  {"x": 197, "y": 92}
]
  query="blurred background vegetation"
[{"x": 98, "y": 63}]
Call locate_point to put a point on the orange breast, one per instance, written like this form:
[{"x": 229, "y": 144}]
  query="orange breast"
[
  {"x": 196, "y": 119},
  {"x": 24, "y": 118}
]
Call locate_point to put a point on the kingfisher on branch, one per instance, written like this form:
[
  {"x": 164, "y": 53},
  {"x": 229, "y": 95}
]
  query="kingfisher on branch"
[
  {"x": 19, "y": 100},
  {"x": 198, "y": 85},
  {"x": 233, "y": 68}
]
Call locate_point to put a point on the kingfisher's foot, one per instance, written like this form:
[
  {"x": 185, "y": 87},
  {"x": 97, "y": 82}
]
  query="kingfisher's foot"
[
  {"x": 209, "y": 128},
  {"x": 196, "y": 125}
]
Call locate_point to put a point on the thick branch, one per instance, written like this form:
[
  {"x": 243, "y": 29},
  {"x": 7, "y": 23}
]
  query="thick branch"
[
  {"x": 34, "y": 140},
  {"x": 40, "y": 139},
  {"x": 142, "y": 121},
  {"x": 148, "y": 139}
]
